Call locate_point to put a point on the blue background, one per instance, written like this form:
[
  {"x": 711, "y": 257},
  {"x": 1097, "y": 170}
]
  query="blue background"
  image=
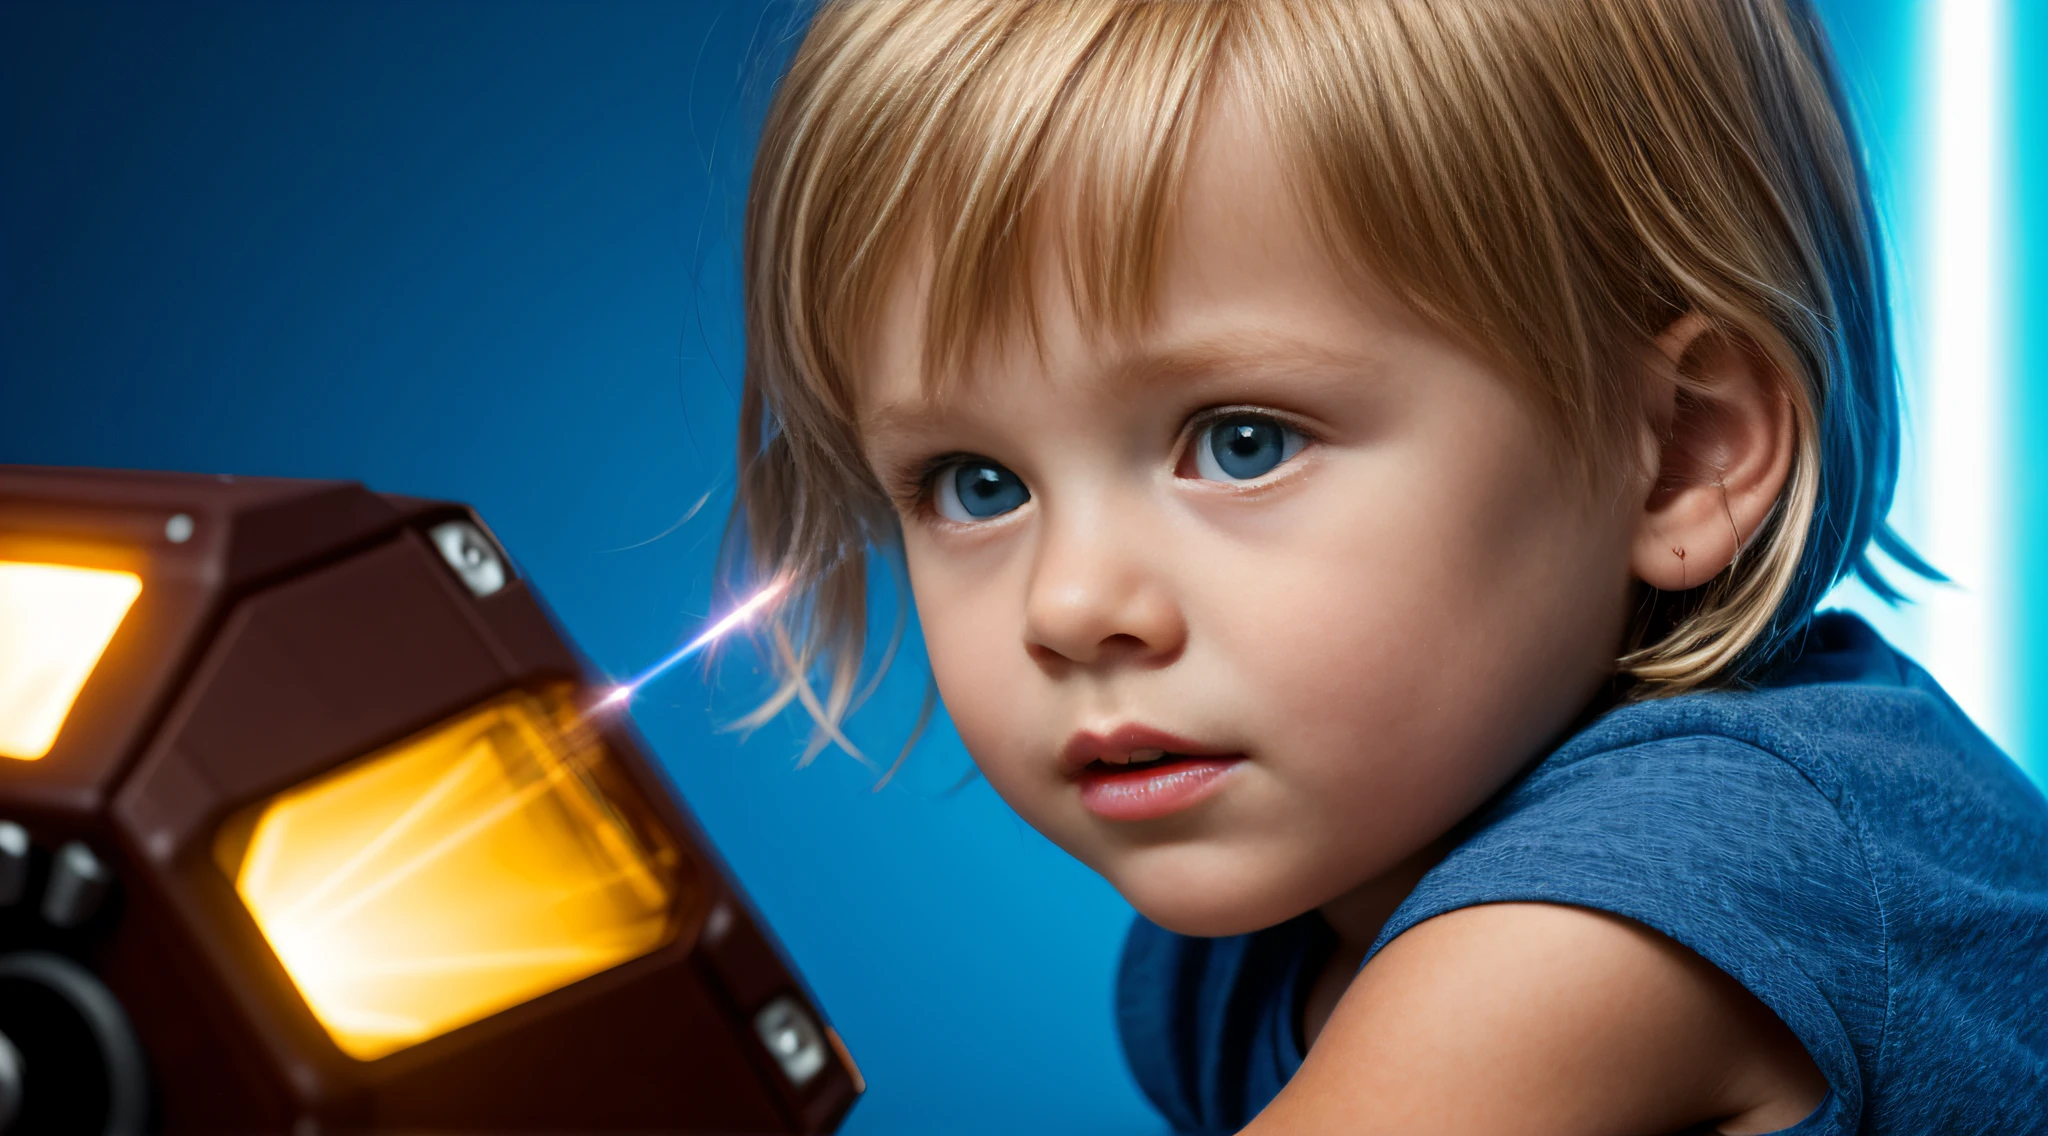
[{"x": 487, "y": 252}]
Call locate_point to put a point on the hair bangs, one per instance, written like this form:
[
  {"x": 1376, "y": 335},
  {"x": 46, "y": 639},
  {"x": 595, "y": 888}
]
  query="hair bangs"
[{"x": 1025, "y": 140}]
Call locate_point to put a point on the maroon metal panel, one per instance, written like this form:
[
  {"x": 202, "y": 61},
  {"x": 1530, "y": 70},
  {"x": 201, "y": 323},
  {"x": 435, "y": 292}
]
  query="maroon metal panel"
[
  {"x": 657, "y": 1047},
  {"x": 329, "y": 666},
  {"x": 302, "y": 625},
  {"x": 209, "y": 1069}
]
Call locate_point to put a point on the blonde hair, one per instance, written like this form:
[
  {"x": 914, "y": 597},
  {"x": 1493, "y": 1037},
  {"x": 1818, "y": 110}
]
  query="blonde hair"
[{"x": 1556, "y": 179}]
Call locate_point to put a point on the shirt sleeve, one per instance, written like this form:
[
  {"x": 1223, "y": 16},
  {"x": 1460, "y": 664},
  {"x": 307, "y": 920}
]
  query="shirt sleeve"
[
  {"x": 1724, "y": 848},
  {"x": 1153, "y": 1001},
  {"x": 1207, "y": 1024}
]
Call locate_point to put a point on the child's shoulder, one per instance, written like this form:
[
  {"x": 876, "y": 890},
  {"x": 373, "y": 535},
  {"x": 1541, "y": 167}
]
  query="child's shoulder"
[
  {"x": 1847, "y": 780},
  {"x": 1850, "y": 713},
  {"x": 1841, "y": 840}
]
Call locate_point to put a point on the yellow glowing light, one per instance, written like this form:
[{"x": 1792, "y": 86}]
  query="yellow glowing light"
[
  {"x": 55, "y": 623},
  {"x": 474, "y": 867}
]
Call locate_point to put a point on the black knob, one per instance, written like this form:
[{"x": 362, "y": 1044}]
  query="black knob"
[{"x": 76, "y": 1064}]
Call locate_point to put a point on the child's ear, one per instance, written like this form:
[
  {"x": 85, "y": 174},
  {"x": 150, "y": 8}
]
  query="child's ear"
[{"x": 1718, "y": 441}]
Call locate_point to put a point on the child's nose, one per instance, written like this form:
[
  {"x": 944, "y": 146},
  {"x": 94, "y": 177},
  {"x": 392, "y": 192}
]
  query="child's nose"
[{"x": 1100, "y": 591}]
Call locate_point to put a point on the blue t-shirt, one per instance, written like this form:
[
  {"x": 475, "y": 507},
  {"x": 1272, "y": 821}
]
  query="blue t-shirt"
[{"x": 1841, "y": 840}]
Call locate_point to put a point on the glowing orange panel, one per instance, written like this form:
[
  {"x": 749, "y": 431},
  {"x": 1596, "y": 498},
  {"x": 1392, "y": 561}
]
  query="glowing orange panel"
[
  {"x": 469, "y": 869},
  {"x": 55, "y": 623}
]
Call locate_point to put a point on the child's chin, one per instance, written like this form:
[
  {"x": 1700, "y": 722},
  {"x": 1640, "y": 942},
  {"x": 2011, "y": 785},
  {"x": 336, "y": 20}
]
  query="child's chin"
[
  {"x": 1213, "y": 886},
  {"x": 1209, "y": 913}
]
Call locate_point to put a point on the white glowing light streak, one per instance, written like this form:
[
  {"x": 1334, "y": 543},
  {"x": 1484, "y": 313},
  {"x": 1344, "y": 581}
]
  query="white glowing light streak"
[
  {"x": 625, "y": 690},
  {"x": 1964, "y": 378}
]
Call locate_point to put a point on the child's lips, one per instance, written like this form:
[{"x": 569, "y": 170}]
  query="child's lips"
[
  {"x": 1153, "y": 790},
  {"x": 1135, "y": 772},
  {"x": 1120, "y": 745}
]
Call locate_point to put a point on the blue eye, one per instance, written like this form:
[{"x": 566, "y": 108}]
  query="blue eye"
[
  {"x": 977, "y": 490},
  {"x": 1244, "y": 446}
]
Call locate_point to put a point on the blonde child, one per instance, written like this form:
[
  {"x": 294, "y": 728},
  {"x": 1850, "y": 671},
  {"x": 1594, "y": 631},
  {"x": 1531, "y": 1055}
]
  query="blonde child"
[{"x": 1365, "y": 471}]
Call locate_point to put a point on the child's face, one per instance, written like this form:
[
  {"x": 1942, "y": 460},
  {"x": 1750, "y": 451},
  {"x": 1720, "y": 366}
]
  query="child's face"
[{"x": 1286, "y": 522}]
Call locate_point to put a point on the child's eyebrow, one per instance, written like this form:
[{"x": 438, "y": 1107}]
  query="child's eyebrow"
[
  {"x": 1234, "y": 353},
  {"x": 1238, "y": 352},
  {"x": 903, "y": 418}
]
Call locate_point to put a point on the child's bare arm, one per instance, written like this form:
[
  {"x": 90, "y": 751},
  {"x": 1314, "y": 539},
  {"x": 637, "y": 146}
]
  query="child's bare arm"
[{"x": 1536, "y": 1018}]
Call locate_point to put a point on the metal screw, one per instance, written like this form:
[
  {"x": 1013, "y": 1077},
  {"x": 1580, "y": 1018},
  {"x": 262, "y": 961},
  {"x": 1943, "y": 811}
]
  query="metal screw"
[
  {"x": 717, "y": 924},
  {"x": 178, "y": 529},
  {"x": 471, "y": 554},
  {"x": 792, "y": 1038}
]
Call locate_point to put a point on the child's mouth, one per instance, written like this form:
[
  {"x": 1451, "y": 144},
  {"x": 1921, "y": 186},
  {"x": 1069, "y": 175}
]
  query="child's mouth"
[
  {"x": 1139, "y": 759},
  {"x": 1154, "y": 783}
]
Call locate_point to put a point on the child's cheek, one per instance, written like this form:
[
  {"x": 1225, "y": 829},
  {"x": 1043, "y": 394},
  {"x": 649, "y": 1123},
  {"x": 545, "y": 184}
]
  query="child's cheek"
[
  {"x": 971, "y": 638},
  {"x": 1381, "y": 702}
]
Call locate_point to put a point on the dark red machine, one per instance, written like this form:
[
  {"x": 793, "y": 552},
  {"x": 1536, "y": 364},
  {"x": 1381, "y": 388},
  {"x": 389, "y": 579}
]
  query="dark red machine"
[{"x": 307, "y": 825}]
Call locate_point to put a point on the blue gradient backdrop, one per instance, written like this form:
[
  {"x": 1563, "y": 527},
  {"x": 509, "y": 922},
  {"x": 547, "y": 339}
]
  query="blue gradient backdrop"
[{"x": 487, "y": 252}]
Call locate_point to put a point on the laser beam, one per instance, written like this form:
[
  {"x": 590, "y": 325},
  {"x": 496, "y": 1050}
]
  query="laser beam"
[{"x": 624, "y": 691}]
